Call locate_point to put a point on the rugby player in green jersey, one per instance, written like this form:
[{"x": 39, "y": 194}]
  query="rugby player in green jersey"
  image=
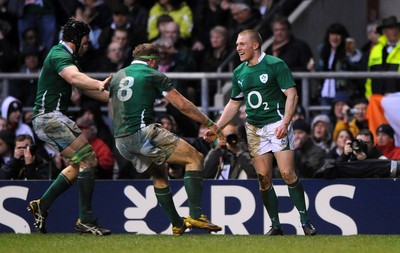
[
  {"x": 266, "y": 85},
  {"x": 147, "y": 144},
  {"x": 60, "y": 72}
]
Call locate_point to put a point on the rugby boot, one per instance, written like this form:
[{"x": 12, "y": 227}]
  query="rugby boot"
[
  {"x": 39, "y": 216},
  {"x": 274, "y": 231},
  {"x": 202, "y": 223},
  {"x": 180, "y": 230},
  {"x": 309, "y": 229},
  {"x": 91, "y": 228}
]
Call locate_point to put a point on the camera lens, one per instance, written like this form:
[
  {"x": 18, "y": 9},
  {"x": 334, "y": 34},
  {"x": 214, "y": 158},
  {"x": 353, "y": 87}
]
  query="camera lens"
[{"x": 232, "y": 139}]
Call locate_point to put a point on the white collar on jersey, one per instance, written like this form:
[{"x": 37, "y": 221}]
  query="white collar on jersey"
[
  {"x": 66, "y": 45},
  {"x": 138, "y": 61},
  {"x": 259, "y": 58}
]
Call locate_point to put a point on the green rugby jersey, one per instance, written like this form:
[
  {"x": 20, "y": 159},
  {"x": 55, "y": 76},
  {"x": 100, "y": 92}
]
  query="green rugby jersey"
[
  {"x": 261, "y": 87},
  {"x": 133, "y": 91},
  {"x": 53, "y": 92}
]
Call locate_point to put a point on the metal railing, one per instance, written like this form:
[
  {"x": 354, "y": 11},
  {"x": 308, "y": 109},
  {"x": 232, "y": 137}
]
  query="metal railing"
[{"x": 204, "y": 78}]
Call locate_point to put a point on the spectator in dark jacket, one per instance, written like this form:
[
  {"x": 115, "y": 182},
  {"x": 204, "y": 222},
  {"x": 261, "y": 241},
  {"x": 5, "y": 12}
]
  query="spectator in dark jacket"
[
  {"x": 26, "y": 163},
  {"x": 309, "y": 158}
]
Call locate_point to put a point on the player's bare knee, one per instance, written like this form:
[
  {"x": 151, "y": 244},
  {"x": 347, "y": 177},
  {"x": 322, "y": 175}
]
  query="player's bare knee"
[
  {"x": 263, "y": 182},
  {"x": 289, "y": 178}
]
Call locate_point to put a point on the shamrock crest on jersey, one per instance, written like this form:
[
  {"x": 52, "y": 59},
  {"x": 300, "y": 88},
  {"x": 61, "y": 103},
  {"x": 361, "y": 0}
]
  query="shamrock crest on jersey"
[{"x": 264, "y": 78}]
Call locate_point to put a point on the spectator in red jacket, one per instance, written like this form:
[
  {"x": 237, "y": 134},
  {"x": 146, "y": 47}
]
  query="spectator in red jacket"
[
  {"x": 104, "y": 154},
  {"x": 385, "y": 142}
]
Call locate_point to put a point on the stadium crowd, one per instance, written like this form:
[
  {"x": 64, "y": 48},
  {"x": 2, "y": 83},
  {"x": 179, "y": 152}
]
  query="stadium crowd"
[{"x": 197, "y": 36}]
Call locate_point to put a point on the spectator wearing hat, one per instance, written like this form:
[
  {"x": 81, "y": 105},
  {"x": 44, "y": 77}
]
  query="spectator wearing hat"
[
  {"x": 385, "y": 142},
  {"x": 385, "y": 56},
  {"x": 11, "y": 110},
  {"x": 321, "y": 133},
  {"x": 308, "y": 156},
  {"x": 120, "y": 17},
  {"x": 25, "y": 90},
  {"x": 354, "y": 118},
  {"x": 104, "y": 154}
]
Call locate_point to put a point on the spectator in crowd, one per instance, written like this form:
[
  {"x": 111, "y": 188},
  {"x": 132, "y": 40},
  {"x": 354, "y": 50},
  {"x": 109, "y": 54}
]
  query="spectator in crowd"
[
  {"x": 385, "y": 142},
  {"x": 214, "y": 56},
  {"x": 361, "y": 148},
  {"x": 121, "y": 36},
  {"x": 3, "y": 124},
  {"x": 31, "y": 39},
  {"x": 25, "y": 90},
  {"x": 299, "y": 113},
  {"x": 26, "y": 163},
  {"x": 228, "y": 160},
  {"x": 113, "y": 60},
  {"x": 8, "y": 52},
  {"x": 7, "y": 142},
  {"x": 353, "y": 118},
  {"x": 98, "y": 15},
  {"x": 309, "y": 157},
  {"x": 295, "y": 52},
  {"x": 343, "y": 136},
  {"x": 168, "y": 122},
  {"x": 178, "y": 10},
  {"x": 41, "y": 15},
  {"x": 138, "y": 15},
  {"x": 333, "y": 57},
  {"x": 372, "y": 40},
  {"x": 162, "y": 21},
  {"x": 104, "y": 154},
  {"x": 385, "y": 56},
  {"x": 171, "y": 31},
  {"x": 244, "y": 17},
  {"x": 11, "y": 110},
  {"x": 321, "y": 133},
  {"x": 102, "y": 122},
  {"x": 120, "y": 17},
  {"x": 207, "y": 15},
  {"x": 336, "y": 112}
]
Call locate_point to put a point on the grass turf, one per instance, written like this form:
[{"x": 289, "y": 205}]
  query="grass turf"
[{"x": 51, "y": 243}]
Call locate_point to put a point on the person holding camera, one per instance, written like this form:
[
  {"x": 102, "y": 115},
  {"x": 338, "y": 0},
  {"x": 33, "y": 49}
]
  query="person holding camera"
[
  {"x": 353, "y": 119},
  {"x": 229, "y": 160},
  {"x": 361, "y": 148},
  {"x": 26, "y": 163}
]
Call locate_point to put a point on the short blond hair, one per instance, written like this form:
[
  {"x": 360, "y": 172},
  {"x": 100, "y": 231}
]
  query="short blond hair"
[{"x": 145, "y": 49}]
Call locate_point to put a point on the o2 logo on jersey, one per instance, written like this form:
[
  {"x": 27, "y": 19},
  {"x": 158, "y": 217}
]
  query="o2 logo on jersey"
[
  {"x": 125, "y": 91},
  {"x": 264, "y": 78}
]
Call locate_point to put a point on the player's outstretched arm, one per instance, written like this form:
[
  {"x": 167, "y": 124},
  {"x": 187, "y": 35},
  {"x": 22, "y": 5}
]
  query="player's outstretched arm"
[
  {"x": 73, "y": 76},
  {"x": 190, "y": 110},
  {"x": 231, "y": 109}
]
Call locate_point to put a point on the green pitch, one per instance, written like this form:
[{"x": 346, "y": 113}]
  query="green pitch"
[{"x": 57, "y": 243}]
